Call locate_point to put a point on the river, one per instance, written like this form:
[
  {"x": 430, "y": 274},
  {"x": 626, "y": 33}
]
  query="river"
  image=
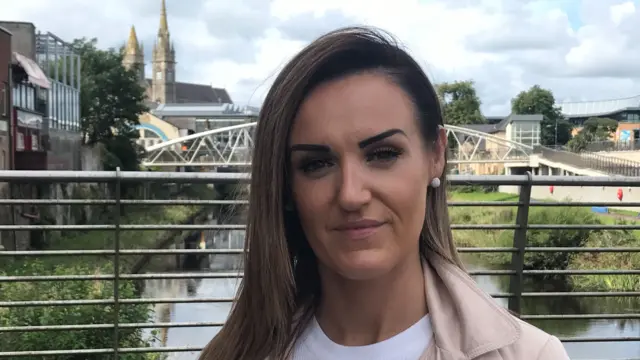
[{"x": 224, "y": 288}]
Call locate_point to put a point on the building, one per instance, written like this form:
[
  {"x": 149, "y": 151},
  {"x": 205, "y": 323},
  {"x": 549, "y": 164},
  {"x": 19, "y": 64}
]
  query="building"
[
  {"x": 169, "y": 121},
  {"x": 5, "y": 98},
  {"x": 46, "y": 100},
  {"x": 626, "y": 111},
  {"x": 162, "y": 87},
  {"x": 6, "y": 212},
  {"x": 523, "y": 129}
]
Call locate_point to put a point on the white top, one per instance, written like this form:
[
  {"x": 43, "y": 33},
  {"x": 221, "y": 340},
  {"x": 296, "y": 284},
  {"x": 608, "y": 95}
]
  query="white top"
[{"x": 407, "y": 345}]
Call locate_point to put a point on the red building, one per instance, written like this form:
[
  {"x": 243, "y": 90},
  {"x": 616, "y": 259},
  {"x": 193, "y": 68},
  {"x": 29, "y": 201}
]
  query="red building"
[{"x": 45, "y": 86}]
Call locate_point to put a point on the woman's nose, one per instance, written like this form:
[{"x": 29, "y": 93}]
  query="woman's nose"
[{"x": 353, "y": 192}]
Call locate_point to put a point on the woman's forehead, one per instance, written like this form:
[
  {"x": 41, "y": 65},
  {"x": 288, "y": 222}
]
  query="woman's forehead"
[{"x": 359, "y": 105}]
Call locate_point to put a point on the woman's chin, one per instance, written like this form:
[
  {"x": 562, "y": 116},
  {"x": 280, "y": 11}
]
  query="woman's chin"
[{"x": 365, "y": 265}]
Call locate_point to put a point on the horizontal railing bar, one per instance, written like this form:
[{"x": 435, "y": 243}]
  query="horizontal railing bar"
[
  {"x": 122, "y": 176},
  {"x": 136, "y": 301},
  {"x": 581, "y": 317},
  {"x": 217, "y": 275},
  {"x": 541, "y": 203},
  {"x": 123, "y": 202},
  {"x": 123, "y": 227},
  {"x": 63, "y": 253},
  {"x": 245, "y": 202},
  {"x": 171, "y": 349},
  {"x": 147, "y": 276},
  {"x": 213, "y": 177},
  {"x": 133, "y": 301},
  {"x": 80, "y": 327},
  {"x": 138, "y": 227},
  {"x": 582, "y": 227}
]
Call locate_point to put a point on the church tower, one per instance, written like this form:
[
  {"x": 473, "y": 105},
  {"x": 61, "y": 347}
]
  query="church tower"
[
  {"x": 163, "y": 83},
  {"x": 134, "y": 55}
]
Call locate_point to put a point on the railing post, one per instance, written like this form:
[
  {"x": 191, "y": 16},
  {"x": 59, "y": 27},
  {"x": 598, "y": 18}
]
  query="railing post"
[
  {"x": 520, "y": 242},
  {"x": 116, "y": 267}
]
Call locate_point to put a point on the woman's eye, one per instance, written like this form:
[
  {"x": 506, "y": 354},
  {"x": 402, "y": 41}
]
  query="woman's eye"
[
  {"x": 384, "y": 155},
  {"x": 315, "y": 165}
]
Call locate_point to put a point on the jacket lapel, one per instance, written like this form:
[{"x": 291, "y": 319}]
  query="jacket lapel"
[{"x": 467, "y": 322}]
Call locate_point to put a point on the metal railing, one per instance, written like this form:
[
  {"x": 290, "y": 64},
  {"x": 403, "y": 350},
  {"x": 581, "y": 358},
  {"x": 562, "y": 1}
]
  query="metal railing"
[
  {"x": 605, "y": 164},
  {"x": 632, "y": 145},
  {"x": 117, "y": 180}
]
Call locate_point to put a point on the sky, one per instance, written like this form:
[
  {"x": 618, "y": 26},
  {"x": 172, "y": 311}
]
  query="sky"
[{"x": 582, "y": 50}]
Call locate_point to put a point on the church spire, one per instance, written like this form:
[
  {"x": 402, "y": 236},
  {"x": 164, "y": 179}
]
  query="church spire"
[
  {"x": 132, "y": 43},
  {"x": 164, "y": 25},
  {"x": 133, "y": 58}
]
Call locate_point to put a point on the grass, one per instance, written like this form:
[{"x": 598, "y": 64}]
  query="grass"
[
  {"x": 552, "y": 215},
  {"x": 105, "y": 239}
]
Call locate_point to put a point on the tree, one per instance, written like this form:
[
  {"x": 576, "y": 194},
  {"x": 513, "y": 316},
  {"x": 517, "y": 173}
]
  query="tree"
[
  {"x": 554, "y": 129},
  {"x": 594, "y": 129},
  {"x": 460, "y": 103},
  {"x": 111, "y": 99}
]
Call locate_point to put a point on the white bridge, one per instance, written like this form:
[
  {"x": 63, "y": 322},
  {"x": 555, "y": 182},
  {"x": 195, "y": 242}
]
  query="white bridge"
[{"x": 231, "y": 147}]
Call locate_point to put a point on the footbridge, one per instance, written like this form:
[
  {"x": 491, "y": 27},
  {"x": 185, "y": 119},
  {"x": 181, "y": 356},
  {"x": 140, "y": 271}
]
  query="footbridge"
[
  {"x": 231, "y": 146},
  {"x": 471, "y": 151}
]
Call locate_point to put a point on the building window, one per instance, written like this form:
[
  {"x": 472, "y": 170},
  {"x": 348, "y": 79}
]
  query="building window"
[
  {"x": 527, "y": 133},
  {"x": 20, "y": 142},
  {"x": 24, "y": 96},
  {"x": 34, "y": 143},
  {"x": 158, "y": 75}
]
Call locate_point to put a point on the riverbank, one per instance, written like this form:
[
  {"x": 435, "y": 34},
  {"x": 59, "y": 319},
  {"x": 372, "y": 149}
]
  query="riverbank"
[
  {"x": 553, "y": 238},
  {"x": 89, "y": 289}
]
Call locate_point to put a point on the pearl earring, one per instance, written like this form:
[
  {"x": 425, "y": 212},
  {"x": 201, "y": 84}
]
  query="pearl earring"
[{"x": 435, "y": 183}]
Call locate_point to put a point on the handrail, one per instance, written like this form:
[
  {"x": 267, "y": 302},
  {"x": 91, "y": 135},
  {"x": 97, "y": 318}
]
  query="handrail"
[
  {"x": 585, "y": 160},
  {"x": 517, "y": 271}
]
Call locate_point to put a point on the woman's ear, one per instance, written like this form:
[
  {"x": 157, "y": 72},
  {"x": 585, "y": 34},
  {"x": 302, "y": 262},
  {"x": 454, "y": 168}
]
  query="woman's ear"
[{"x": 439, "y": 152}]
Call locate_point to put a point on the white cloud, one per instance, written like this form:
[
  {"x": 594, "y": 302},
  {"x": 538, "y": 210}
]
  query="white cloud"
[{"x": 579, "y": 49}]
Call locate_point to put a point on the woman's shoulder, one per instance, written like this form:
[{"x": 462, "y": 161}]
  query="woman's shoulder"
[{"x": 534, "y": 344}]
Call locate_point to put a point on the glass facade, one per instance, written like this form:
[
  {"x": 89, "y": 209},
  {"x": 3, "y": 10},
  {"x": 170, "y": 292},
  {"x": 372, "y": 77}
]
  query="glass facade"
[
  {"x": 29, "y": 97},
  {"x": 64, "y": 107},
  {"x": 525, "y": 132}
]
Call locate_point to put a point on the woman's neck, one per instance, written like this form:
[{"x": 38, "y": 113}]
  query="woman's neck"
[{"x": 356, "y": 313}]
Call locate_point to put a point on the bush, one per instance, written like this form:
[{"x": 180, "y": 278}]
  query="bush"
[
  {"x": 467, "y": 189},
  {"x": 69, "y": 315},
  {"x": 557, "y": 238}
]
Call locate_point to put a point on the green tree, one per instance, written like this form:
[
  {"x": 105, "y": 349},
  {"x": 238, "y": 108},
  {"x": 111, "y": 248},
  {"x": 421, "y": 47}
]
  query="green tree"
[
  {"x": 460, "y": 103},
  {"x": 555, "y": 130},
  {"x": 594, "y": 129},
  {"x": 111, "y": 100}
]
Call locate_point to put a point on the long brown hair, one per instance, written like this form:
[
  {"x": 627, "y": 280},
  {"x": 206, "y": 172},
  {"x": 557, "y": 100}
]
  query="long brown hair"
[{"x": 281, "y": 285}]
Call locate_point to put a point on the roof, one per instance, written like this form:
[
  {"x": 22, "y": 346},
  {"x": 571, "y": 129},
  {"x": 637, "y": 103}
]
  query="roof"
[
  {"x": 502, "y": 125},
  {"x": 199, "y": 93},
  {"x": 204, "y": 110},
  {"x": 599, "y": 108}
]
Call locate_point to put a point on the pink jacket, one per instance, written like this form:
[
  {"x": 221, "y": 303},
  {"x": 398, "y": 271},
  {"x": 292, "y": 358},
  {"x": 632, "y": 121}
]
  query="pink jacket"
[{"x": 469, "y": 324}]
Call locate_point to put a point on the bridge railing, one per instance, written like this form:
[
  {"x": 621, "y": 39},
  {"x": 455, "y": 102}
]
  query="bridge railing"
[
  {"x": 605, "y": 164},
  {"x": 115, "y": 304}
]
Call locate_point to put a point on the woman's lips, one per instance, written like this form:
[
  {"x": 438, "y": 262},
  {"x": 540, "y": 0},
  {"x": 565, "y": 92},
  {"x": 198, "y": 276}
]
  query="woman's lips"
[{"x": 361, "y": 229}]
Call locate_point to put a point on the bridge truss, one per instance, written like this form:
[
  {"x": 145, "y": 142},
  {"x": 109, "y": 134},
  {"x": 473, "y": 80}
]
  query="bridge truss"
[{"x": 231, "y": 147}]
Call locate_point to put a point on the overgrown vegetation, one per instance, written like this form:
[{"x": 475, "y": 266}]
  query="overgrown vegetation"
[
  {"x": 552, "y": 238},
  {"x": 71, "y": 315},
  {"x": 92, "y": 266}
]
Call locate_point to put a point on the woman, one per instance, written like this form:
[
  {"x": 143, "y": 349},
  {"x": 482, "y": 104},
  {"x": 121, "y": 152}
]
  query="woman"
[{"x": 351, "y": 252}]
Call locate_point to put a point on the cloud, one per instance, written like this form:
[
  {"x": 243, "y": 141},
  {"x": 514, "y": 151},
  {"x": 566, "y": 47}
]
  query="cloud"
[{"x": 582, "y": 50}]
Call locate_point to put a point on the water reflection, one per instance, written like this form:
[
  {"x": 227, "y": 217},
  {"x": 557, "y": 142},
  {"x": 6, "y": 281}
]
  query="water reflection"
[
  {"x": 225, "y": 288},
  {"x": 576, "y": 328}
]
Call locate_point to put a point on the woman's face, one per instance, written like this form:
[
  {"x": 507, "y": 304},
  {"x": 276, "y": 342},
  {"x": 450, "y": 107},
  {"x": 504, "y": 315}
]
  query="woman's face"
[{"x": 360, "y": 171}]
